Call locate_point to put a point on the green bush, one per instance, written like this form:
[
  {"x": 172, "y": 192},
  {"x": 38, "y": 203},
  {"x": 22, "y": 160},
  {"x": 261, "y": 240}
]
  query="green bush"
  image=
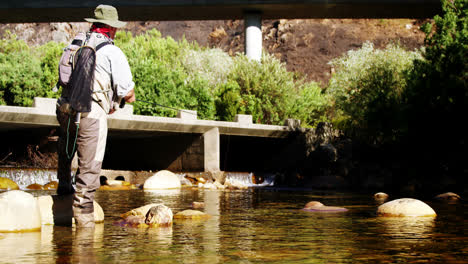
[
  {"x": 367, "y": 88},
  {"x": 228, "y": 101},
  {"x": 265, "y": 90},
  {"x": 212, "y": 65},
  {"x": 27, "y": 72},
  {"x": 437, "y": 95},
  {"x": 20, "y": 73},
  {"x": 49, "y": 55},
  {"x": 161, "y": 78},
  {"x": 311, "y": 105},
  {"x": 439, "y": 83},
  {"x": 172, "y": 75}
]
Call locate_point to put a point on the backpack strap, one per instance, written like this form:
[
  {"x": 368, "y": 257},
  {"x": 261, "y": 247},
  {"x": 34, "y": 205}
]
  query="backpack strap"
[{"x": 98, "y": 47}]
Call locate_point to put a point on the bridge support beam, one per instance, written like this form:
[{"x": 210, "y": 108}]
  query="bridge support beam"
[
  {"x": 211, "y": 150},
  {"x": 253, "y": 35}
]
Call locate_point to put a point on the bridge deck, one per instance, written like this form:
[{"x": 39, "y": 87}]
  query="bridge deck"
[{"x": 20, "y": 11}]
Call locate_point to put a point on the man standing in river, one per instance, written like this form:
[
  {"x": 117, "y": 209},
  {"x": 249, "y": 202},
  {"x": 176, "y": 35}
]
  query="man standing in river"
[{"x": 112, "y": 83}]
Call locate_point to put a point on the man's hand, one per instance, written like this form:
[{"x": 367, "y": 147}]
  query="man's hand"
[{"x": 130, "y": 97}]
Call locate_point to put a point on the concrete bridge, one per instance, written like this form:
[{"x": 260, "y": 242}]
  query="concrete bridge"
[
  {"x": 182, "y": 143},
  {"x": 252, "y": 11}
]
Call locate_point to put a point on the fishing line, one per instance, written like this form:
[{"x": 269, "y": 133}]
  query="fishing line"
[{"x": 160, "y": 105}]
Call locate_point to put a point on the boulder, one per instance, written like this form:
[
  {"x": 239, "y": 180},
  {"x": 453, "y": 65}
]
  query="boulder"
[
  {"x": 191, "y": 214},
  {"x": 116, "y": 187},
  {"x": 405, "y": 207},
  {"x": 315, "y": 206},
  {"x": 150, "y": 215},
  {"x": 162, "y": 180},
  {"x": 448, "y": 196},
  {"x": 8, "y": 184},
  {"x": 19, "y": 212},
  {"x": 57, "y": 210},
  {"x": 196, "y": 205},
  {"x": 51, "y": 185},
  {"x": 380, "y": 196},
  {"x": 35, "y": 186}
]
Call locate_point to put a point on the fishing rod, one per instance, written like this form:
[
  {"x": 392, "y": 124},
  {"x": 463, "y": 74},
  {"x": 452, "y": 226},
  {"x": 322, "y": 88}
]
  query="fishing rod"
[{"x": 122, "y": 104}]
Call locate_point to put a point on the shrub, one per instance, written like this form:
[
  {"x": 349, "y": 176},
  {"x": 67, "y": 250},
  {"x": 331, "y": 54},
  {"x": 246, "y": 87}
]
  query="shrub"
[
  {"x": 212, "y": 65},
  {"x": 160, "y": 77},
  {"x": 311, "y": 105},
  {"x": 228, "y": 101},
  {"x": 20, "y": 72},
  {"x": 27, "y": 72},
  {"x": 172, "y": 75},
  {"x": 49, "y": 55},
  {"x": 439, "y": 83},
  {"x": 269, "y": 93},
  {"x": 438, "y": 93},
  {"x": 367, "y": 88},
  {"x": 266, "y": 89}
]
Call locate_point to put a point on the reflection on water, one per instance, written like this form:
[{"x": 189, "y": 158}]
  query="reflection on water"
[
  {"x": 249, "y": 226},
  {"x": 410, "y": 228}
]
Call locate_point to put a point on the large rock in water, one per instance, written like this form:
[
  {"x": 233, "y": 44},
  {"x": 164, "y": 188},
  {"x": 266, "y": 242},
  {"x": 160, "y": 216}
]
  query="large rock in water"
[
  {"x": 448, "y": 196},
  {"x": 405, "y": 207},
  {"x": 57, "y": 210},
  {"x": 7, "y": 184},
  {"x": 315, "y": 206},
  {"x": 150, "y": 215},
  {"x": 19, "y": 212},
  {"x": 162, "y": 180}
]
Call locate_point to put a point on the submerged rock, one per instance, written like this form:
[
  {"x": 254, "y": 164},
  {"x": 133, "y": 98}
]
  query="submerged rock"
[
  {"x": 8, "y": 184},
  {"x": 380, "y": 196},
  {"x": 151, "y": 215},
  {"x": 196, "y": 205},
  {"x": 162, "y": 180},
  {"x": 19, "y": 212},
  {"x": 57, "y": 210},
  {"x": 191, "y": 214},
  {"x": 117, "y": 185},
  {"x": 35, "y": 186},
  {"x": 51, "y": 185},
  {"x": 448, "y": 196},
  {"x": 315, "y": 206},
  {"x": 405, "y": 207}
]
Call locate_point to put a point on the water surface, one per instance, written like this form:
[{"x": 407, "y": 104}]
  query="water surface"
[{"x": 259, "y": 225}]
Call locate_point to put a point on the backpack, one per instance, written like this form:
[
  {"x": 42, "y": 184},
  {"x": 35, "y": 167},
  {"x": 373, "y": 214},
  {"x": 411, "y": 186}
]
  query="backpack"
[{"x": 76, "y": 69}]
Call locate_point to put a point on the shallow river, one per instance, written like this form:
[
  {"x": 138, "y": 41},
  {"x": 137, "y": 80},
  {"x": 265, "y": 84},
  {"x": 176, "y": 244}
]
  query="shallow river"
[{"x": 250, "y": 226}]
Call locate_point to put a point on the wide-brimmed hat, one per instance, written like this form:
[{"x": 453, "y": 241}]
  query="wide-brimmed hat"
[{"x": 107, "y": 14}]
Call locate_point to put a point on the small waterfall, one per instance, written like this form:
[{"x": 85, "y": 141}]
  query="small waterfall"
[
  {"x": 250, "y": 179},
  {"x": 25, "y": 177}
]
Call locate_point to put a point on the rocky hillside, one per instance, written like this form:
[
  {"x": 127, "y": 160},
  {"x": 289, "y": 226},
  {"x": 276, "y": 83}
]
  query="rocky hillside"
[{"x": 305, "y": 46}]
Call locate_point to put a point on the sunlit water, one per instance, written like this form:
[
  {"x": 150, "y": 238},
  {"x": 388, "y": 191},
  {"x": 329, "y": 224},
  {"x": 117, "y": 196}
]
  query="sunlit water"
[{"x": 250, "y": 226}]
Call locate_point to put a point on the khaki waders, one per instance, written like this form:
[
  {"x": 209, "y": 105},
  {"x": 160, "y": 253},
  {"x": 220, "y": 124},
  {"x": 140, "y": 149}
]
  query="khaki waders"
[{"x": 90, "y": 147}]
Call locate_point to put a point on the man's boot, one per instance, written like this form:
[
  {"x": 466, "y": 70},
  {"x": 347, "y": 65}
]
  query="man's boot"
[{"x": 83, "y": 220}]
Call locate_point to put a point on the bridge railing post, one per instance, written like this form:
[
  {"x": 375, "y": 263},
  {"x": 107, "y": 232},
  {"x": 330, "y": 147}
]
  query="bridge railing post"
[{"x": 187, "y": 114}]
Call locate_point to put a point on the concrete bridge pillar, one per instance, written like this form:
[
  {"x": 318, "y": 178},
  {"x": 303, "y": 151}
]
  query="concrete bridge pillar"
[
  {"x": 253, "y": 35},
  {"x": 211, "y": 149}
]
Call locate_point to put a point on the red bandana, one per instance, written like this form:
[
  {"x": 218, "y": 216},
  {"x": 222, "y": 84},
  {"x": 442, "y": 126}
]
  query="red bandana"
[{"x": 104, "y": 31}]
